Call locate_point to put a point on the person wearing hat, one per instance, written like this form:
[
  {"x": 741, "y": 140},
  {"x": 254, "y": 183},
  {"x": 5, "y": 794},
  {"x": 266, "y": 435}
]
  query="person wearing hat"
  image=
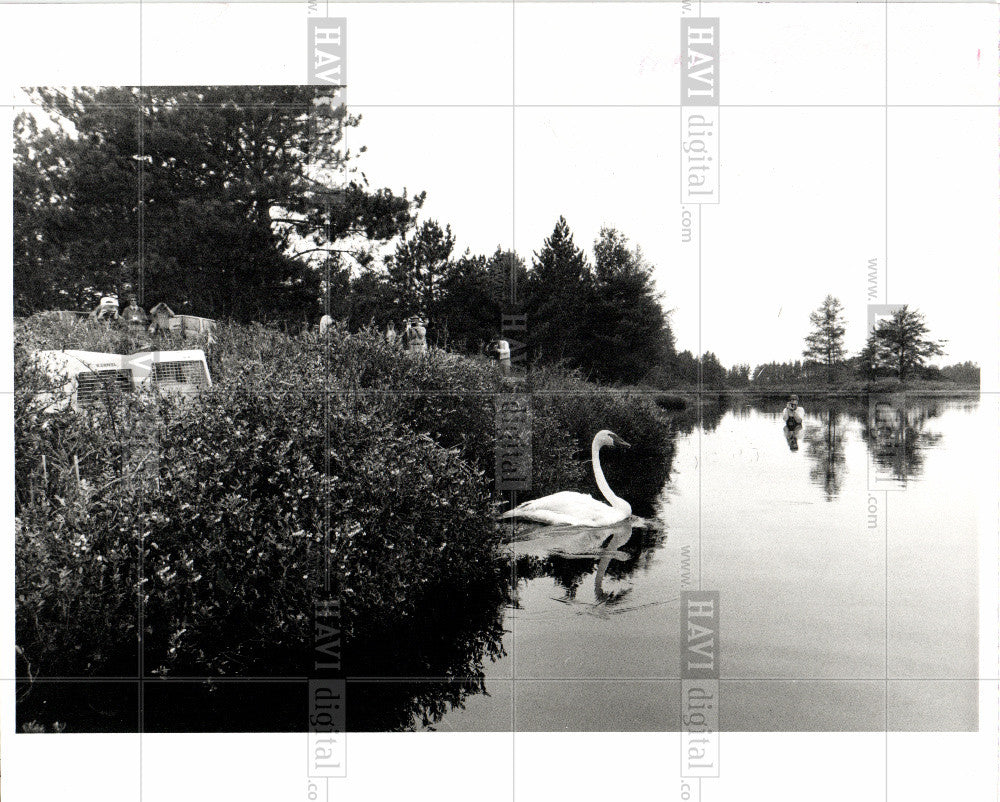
[
  {"x": 107, "y": 309},
  {"x": 792, "y": 414},
  {"x": 416, "y": 335}
]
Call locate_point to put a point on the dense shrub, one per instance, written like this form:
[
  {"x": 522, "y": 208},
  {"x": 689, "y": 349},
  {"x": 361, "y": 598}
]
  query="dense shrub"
[
  {"x": 232, "y": 524},
  {"x": 453, "y": 399},
  {"x": 76, "y": 549},
  {"x": 582, "y": 409},
  {"x": 222, "y": 534},
  {"x": 236, "y": 537}
]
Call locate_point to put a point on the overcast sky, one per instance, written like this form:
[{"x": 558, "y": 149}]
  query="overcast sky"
[{"x": 803, "y": 141}]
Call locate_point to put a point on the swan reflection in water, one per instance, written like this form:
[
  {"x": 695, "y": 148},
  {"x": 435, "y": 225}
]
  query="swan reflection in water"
[{"x": 570, "y": 553}]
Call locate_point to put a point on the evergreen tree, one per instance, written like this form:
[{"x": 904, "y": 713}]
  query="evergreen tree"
[
  {"x": 238, "y": 204},
  {"x": 371, "y": 300},
  {"x": 713, "y": 375},
  {"x": 628, "y": 331},
  {"x": 420, "y": 267},
  {"x": 685, "y": 369},
  {"x": 738, "y": 376},
  {"x": 477, "y": 293},
  {"x": 900, "y": 344},
  {"x": 825, "y": 343},
  {"x": 559, "y": 286}
]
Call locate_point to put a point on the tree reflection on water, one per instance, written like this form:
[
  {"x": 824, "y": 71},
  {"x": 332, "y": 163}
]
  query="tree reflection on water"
[
  {"x": 825, "y": 448},
  {"x": 893, "y": 428},
  {"x": 896, "y": 436}
]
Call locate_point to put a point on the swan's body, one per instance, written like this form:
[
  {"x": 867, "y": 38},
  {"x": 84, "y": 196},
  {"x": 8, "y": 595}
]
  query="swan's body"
[
  {"x": 567, "y": 507},
  {"x": 579, "y": 509}
]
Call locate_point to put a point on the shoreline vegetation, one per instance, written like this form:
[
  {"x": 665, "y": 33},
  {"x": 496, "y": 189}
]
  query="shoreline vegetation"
[{"x": 228, "y": 523}]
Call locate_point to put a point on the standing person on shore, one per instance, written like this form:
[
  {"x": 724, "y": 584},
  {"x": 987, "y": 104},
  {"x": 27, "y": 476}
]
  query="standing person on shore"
[
  {"x": 135, "y": 316},
  {"x": 390, "y": 333},
  {"x": 416, "y": 335},
  {"x": 107, "y": 309},
  {"x": 503, "y": 355}
]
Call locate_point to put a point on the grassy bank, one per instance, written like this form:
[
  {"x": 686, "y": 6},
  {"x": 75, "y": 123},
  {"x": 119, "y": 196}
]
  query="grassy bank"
[{"x": 222, "y": 533}]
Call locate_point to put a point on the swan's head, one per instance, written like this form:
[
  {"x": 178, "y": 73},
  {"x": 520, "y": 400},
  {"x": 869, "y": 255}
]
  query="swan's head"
[{"x": 606, "y": 437}]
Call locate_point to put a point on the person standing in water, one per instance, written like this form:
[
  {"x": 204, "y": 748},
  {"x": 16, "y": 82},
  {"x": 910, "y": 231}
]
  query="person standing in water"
[{"x": 793, "y": 414}]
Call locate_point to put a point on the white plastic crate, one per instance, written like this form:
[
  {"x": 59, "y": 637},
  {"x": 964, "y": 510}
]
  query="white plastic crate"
[{"x": 89, "y": 376}]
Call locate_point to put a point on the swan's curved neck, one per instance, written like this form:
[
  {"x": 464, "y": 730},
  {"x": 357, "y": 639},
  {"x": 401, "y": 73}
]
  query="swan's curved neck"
[{"x": 602, "y": 483}]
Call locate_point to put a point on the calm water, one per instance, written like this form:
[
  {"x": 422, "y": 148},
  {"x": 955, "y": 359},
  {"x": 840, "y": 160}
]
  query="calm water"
[{"x": 827, "y": 589}]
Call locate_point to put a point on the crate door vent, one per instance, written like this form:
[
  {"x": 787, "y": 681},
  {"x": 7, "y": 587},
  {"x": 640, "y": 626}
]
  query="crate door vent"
[{"x": 93, "y": 385}]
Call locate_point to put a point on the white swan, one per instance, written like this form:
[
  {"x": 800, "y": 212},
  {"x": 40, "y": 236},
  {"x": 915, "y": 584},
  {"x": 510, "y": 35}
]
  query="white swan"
[{"x": 579, "y": 509}]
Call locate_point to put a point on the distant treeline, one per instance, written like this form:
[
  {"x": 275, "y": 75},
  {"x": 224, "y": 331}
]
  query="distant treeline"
[
  {"x": 805, "y": 372},
  {"x": 601, "y": 315},
  {"x": 241, "y": 204},
  {"x": 898, "y": 349}
]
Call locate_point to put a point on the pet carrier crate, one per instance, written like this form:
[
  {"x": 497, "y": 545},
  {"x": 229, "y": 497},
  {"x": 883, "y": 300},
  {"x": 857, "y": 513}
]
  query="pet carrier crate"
[{"x": 89, "y": 377}]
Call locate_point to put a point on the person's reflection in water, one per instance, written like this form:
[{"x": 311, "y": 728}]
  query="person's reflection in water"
[{"x": 792, "y": 436}]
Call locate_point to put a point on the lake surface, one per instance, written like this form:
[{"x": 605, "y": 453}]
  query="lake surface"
[{"x": 845, "y": 556}]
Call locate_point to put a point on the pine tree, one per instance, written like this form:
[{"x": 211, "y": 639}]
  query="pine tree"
[
  {"x": 420, "y": 267},
  {"x": 629, "y": 333},
  {"x": 235, "y": 203},
  {"x": 476, "y": 295},
  {"x": 900, "y": 344},
  {"x": 558, "y": 288},
  {"x": 825, "y": 344}
]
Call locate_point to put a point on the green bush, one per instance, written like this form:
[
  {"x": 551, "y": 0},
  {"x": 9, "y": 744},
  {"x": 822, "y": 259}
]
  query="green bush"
[
  {"x": 301, "y": 440},
  {"x": 232, "y": 520},
  {"x": 582, "y": 409}
]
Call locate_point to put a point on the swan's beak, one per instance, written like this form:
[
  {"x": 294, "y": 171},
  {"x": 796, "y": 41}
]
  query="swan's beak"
[{"x": 619, "y": 442}]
